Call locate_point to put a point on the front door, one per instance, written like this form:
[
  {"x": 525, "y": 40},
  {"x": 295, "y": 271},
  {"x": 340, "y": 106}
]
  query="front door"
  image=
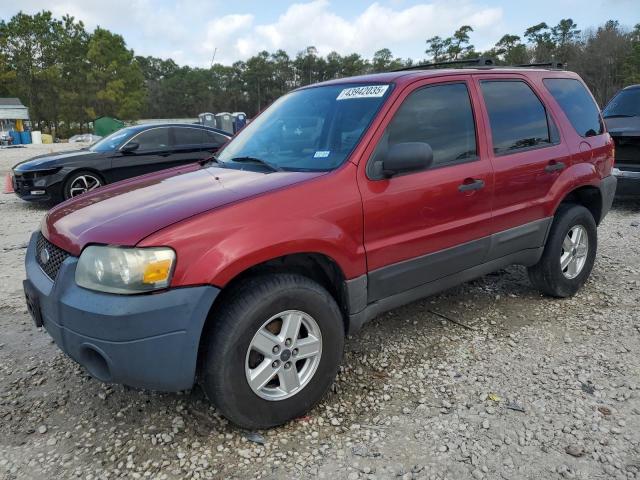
[
  {"x": 425, "y": 225},
  {"x": 154, "y": 152}
]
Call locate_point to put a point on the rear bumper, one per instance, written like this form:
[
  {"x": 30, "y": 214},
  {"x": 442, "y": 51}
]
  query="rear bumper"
[
  {"x": 628, "y": 182},
  {"x": 147, "y": 341}
]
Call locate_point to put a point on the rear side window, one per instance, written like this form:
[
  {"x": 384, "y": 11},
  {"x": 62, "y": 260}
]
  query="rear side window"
[
  {"x": 188, "y": 136},
  {"x": 517, "y": 116},
  {"x": 214, "y": 138},
  {"x": 441, "y": 116},
  {"x": 153, "y": 139},
  {"x": 577, "y": 104}
]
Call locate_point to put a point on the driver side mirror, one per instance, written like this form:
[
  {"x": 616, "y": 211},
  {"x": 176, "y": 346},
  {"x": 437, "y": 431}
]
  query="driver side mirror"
[
  {"x": 130, "y": 147},
  {"x": 404, "y": 158}
]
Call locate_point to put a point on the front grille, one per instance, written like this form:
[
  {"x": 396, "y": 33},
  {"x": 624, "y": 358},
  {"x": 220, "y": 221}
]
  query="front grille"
[
  {"x": 54, "y": 256},
  {"x": 21, "y": 183}
]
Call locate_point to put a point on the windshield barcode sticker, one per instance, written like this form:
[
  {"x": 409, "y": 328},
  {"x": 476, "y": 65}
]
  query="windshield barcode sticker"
[
  {"x": 370, "y": 91},
  {"x": 321, "y": 154}
]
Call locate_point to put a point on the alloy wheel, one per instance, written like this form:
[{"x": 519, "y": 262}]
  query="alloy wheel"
[
  {"x": 283, "y": 355},
  {"x": 83, "y": 184},
  {"x": 575, "y": 248}
]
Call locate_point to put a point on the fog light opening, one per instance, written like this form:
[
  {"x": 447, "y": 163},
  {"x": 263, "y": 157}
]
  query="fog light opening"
[{"x": 95, "y": 363}]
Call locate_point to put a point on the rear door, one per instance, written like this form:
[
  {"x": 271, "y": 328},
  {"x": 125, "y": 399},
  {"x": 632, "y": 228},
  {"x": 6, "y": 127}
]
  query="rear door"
[
  {"x": 527, "y": 157},
  {"x": 154, "y": 152},
  {"x": 188, "y": 145},
  {"x": 426, "y": 225},
  {"x": 214, "y": 141}
]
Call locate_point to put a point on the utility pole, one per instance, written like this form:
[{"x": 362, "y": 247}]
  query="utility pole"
[{"x": 215, "y": 50}]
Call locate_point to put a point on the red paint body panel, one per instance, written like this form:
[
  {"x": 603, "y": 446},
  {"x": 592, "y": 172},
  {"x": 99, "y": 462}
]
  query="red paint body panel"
[
  {"x": 221, "y": 222},
  {"x": 323, "y": 216},
  {"x": 126, "y": 212}
]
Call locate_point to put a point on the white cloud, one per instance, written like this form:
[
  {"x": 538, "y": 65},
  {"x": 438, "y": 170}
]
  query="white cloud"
[
  {"x": 404, "y": 31},
  {"x": 190, "y": 30}
]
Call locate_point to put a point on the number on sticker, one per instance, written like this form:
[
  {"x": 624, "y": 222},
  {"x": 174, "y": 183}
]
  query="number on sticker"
[{"x": 370, "y": 91}]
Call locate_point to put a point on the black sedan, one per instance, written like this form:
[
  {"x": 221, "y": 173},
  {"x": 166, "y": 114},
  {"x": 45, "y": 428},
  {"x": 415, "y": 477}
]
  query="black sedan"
[
  {"x": 622, "y": 116},
  {"x": 124, "y": 154}
]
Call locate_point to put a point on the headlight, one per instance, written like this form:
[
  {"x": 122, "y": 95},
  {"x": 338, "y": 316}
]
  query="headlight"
[{"x": 125, "y": 270}]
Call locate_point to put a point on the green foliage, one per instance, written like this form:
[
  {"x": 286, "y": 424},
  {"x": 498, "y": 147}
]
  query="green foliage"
[
  {"x": 456, "y": 47},
  {"x": 68, "y": 76}
]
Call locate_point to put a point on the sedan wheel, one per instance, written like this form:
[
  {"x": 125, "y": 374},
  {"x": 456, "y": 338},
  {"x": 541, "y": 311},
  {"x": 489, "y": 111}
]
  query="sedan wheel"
[{"x": 83, "y": 183}]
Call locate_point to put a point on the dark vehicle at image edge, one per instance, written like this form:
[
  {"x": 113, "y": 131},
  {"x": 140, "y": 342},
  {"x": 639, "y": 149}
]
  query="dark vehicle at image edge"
[
  {"x": 340, "y": 201},
  {"x": 622, "y": 116},
  {"x": 127, "y": 153}
]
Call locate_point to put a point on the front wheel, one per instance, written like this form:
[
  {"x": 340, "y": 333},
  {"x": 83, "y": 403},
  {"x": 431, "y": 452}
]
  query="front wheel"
[
  {"x": 569, "y": 253},
  {"x": 273, "y": 350},
  {"x": 81, "y": 182}
]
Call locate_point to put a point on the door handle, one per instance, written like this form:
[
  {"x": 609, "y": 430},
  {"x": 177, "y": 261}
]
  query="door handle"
[
  {"x": 554, "y": 167},
  {"x": 471, "y": 184}
]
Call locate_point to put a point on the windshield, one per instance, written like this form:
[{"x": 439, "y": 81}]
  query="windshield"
[
  {"x": 624, "y": 104},
  {"x": 113, "y": 141},
  {"x": 313, "y": 129}
]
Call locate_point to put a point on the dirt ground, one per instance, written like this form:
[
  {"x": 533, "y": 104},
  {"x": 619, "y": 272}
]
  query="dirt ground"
[{"x": 488, "y": 380}]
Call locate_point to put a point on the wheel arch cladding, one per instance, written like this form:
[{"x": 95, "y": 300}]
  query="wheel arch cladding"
[{"x": 589, "y": 197}]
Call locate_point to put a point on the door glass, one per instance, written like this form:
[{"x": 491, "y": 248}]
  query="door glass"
[
  {"x": 213, "y": 138},
  {"x": 439, "y": 115},
  {"x": 518, "y": 118},
  {"x": 154, "y": 139},
  {"x": 188, "y": 136},
  {"x": 577, "y": 104}
]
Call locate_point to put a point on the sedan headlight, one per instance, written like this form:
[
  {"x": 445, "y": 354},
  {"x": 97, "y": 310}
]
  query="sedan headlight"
[{"x": 125, "y": 270}]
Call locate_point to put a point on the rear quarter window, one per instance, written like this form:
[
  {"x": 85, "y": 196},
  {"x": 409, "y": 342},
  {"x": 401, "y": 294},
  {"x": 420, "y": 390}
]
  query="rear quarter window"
[{"x": 577, "y": 104}]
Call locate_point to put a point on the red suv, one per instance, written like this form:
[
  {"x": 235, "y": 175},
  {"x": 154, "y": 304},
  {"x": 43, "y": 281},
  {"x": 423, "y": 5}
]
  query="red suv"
[{"x": 340, "y": 201}]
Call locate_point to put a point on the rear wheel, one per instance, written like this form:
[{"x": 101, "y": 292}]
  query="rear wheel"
[
  {"x": 569, "y": 254},
  {"x": 81, "y": 182},
  {"x": 273, "y": 351}
]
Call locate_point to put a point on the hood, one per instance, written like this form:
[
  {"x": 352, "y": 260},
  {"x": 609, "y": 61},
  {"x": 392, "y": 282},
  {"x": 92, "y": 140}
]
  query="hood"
[
  {"x": 126, "y": 212},
  {"x": 51, "y": 160},
  {"x": 623, "y": 126}
]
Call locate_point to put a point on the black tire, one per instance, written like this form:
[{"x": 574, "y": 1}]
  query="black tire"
[
  {"x": 66, "y": 191},
  {"x": 237, "y": 320},
  {"x": 547, "y": 275}
]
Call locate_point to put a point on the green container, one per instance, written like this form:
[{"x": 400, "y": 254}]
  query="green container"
[{"x": 104, "y": 126}]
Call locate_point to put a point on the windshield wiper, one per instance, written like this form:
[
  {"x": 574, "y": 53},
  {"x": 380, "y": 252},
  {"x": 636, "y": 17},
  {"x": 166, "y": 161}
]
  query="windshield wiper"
[
  {"x": 620, "y": 115},
  {"x": 257, "y": 161}
]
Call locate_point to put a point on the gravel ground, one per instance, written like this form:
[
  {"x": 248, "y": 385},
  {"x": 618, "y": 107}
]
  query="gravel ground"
[{"x": 488, "y": 380}]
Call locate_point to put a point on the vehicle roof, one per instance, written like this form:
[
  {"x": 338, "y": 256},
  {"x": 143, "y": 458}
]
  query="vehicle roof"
[
  {"x": 146, "y": 126},
  {"x": 632, "y": 87},
  {"x": 407, "y": 76}
]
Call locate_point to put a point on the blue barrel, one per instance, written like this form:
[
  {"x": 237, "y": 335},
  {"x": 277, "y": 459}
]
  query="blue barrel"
[
  {"x": 25, "y": 137},
  {"x": 16, "y": 137}
]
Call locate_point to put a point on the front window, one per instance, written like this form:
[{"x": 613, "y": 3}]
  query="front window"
[
  {"x": 113, "y": 141},
  {"x": 624, "y": 104},
  {"x": 313, "y": 129}
]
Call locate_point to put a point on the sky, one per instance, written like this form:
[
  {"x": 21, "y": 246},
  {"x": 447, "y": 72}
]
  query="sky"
[{"x": 190, "y": 31}]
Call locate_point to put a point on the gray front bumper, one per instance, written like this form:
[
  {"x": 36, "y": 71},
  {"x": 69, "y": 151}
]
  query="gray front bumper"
[{"x": 148, "y": 341}]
